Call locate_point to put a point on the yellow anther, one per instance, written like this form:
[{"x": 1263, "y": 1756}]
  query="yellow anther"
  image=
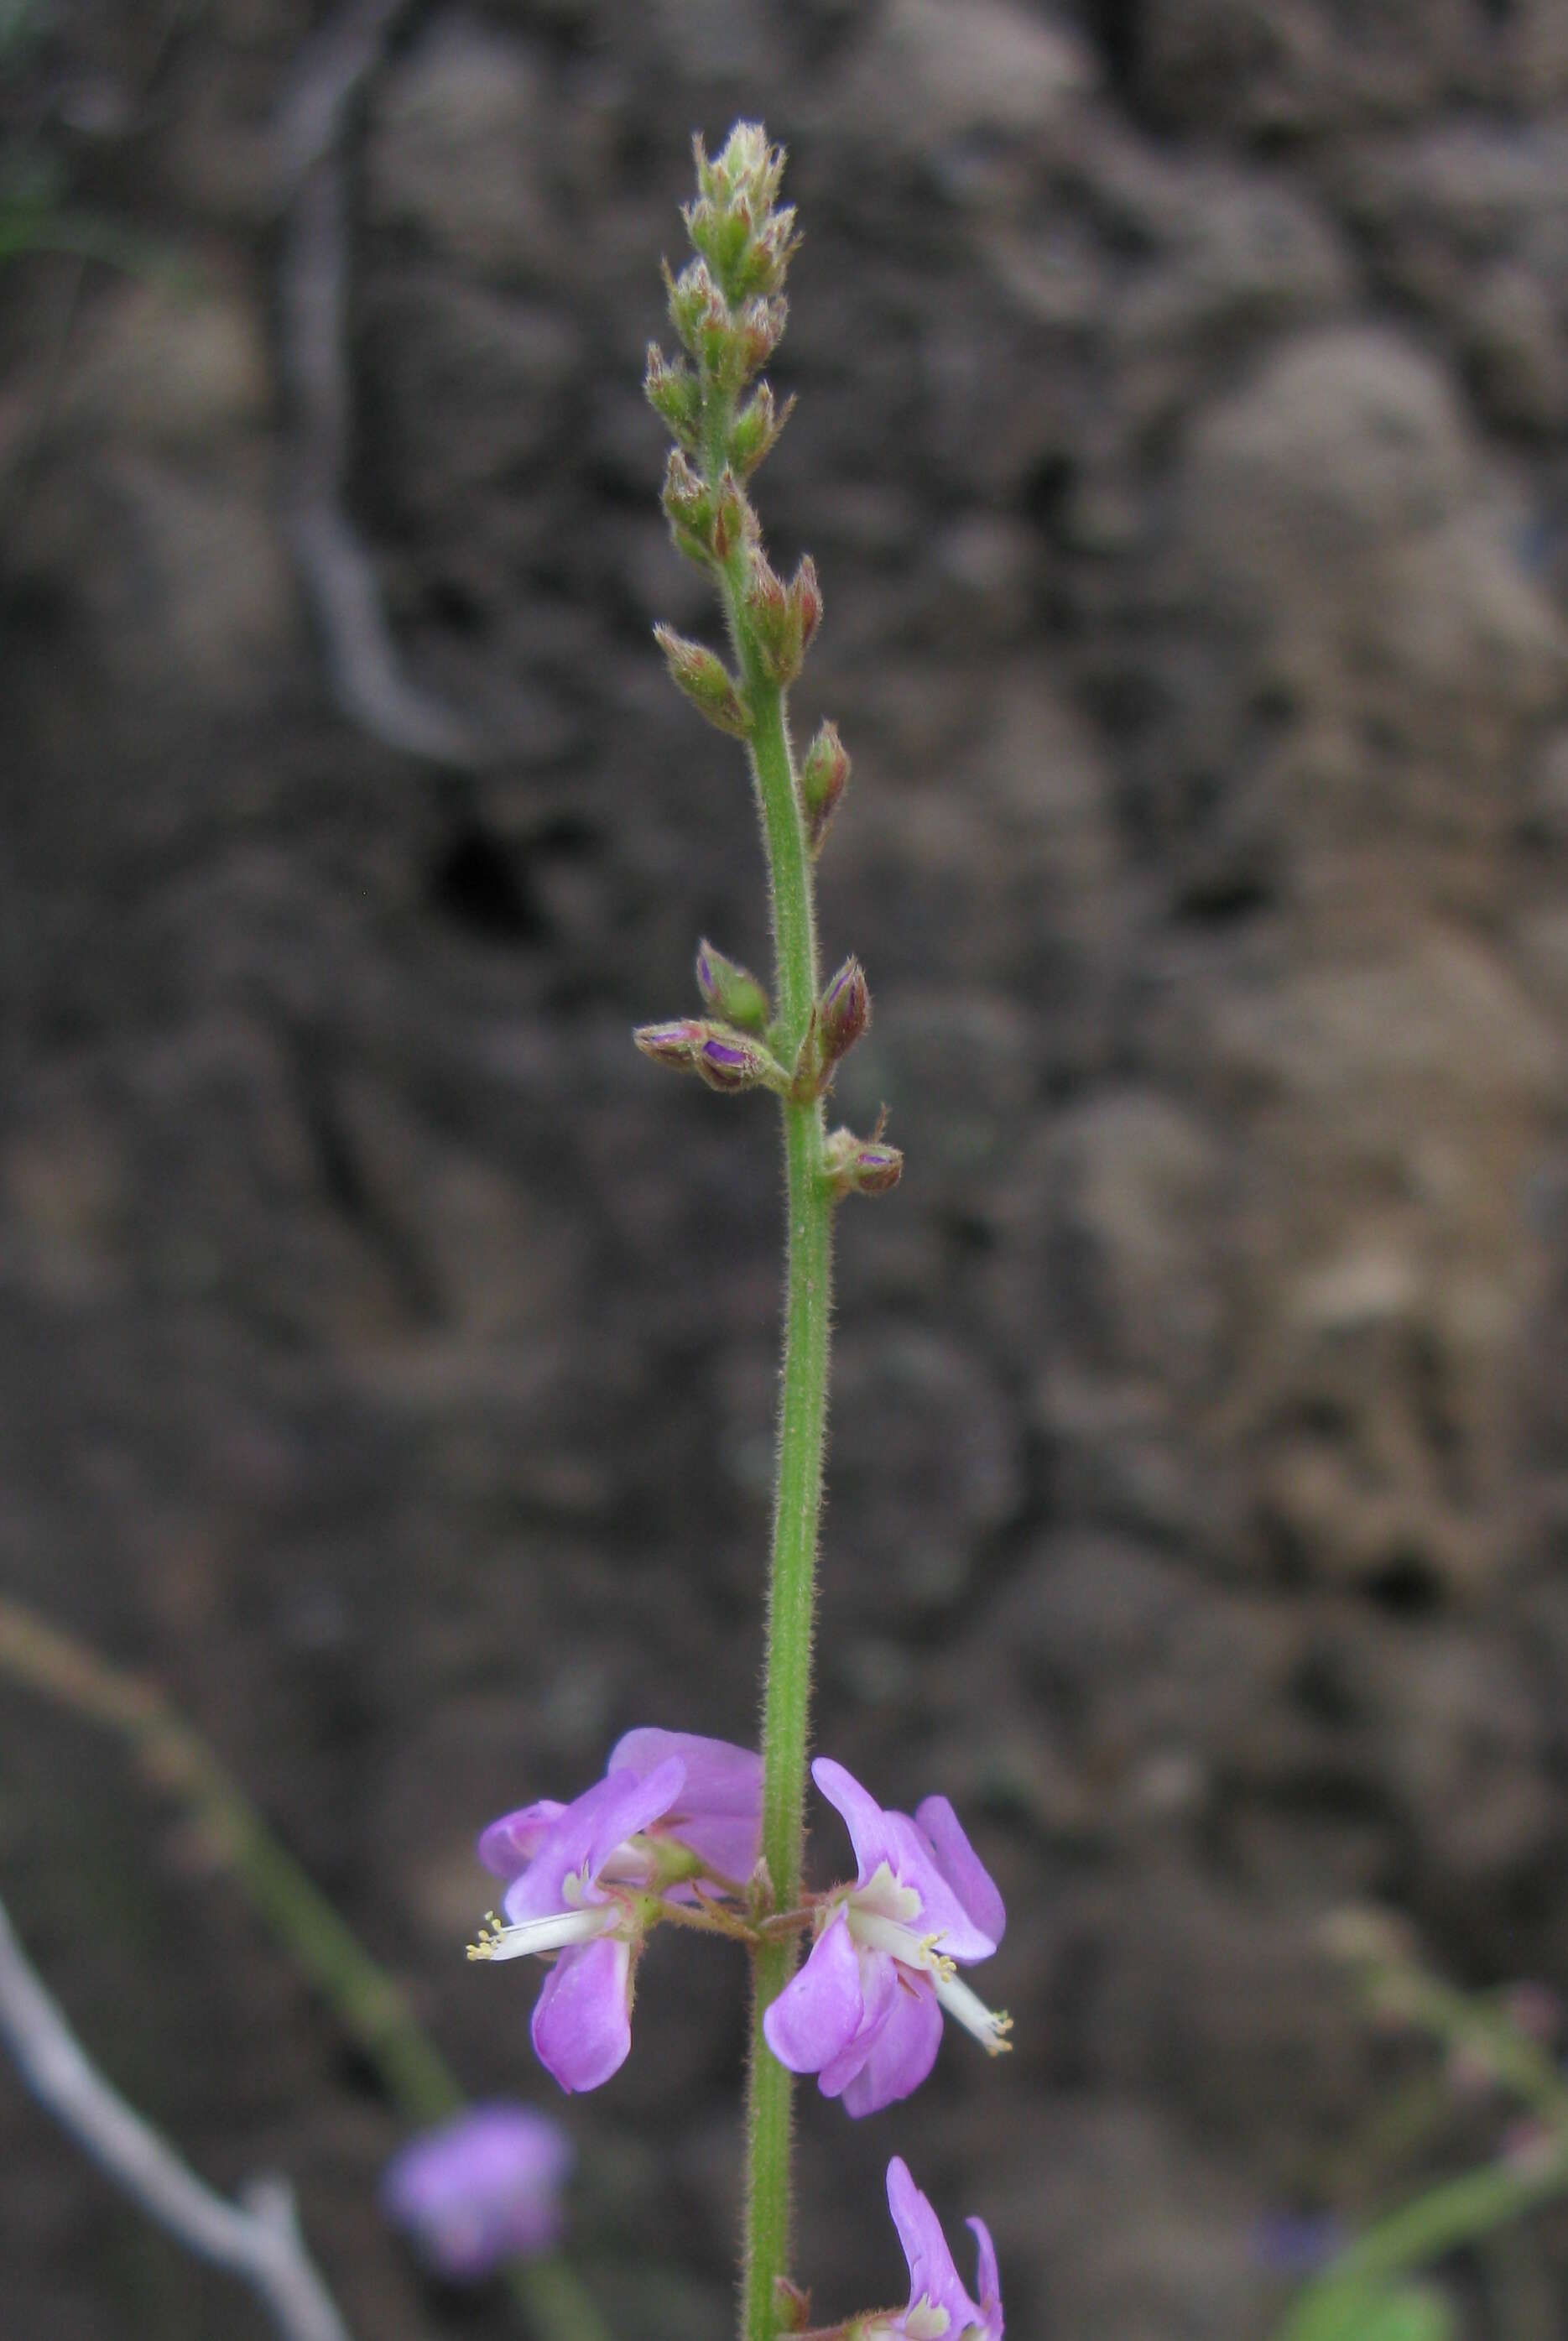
[
  {"x": 490, "y": 1934},
  {"x": 999, "y": 2045}
]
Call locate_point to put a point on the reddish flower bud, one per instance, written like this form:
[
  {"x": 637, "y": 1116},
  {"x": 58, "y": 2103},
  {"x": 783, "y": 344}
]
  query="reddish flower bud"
[
  {"x": 806, "y": 602},
  {"x": 729, "y": 1060},
  {"x": 675, "y": 1045},
  {"x": 843, "y": 1013},
  {"x": 823, "y": 778},
  {"x": 734, "y": 522},
  {"x": 791, "y": 2306},
  {"x": 706, "y": 680},
  {"x": 862, "y": 1166},
  {"x": 774, "y": 624},
  {"x": 688, "y": 503},
  {"x": 718, "y": 1054},
  {"x": 757, "y": 331}
]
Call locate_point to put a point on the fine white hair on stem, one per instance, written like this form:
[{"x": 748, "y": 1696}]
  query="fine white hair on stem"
[{"x": 258, "y": 2239}]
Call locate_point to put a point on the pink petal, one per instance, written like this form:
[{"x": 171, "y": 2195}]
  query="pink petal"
[
  {"x": 818, "y": 2013},
  {"x": 912, "y": 1859},
  {"x": 582, "y": 2022},
  {"x": 987, "y": 2278},
  {"x": 585, "y": 1833},
  {"x": 962, "y": 1868},
  {"x": 879, "y": 1994},
  {"x": 720, "y": 1777},
  {"x": 722, "y": 1842},
  {"x": 902, "y": 2054},
  {"x": 932, "y": 2276},
  {"x": 863, "y": 1816},
  {"x": 510, "y": 1844}
]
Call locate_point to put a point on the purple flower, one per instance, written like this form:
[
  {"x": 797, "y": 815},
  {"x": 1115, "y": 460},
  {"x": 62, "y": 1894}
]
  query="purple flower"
[
  {"x": 480, "y": 2190},
  {"x": 587, "y": 1879},
  {"x": 714, "y": 1828},
  {"x": 865, "y": 2012},
  {"x": 939, "y": 2305},
  {"x": 585, "y": 1894},
  {"x": 718, "y": 1814}
]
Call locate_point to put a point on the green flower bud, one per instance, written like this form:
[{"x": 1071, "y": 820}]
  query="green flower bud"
[
  {"x": 747, "y": 170},
  {"x": 755, "y": 430},
  {"x": 730, "y": 991},
  {"x": 675, "y": 394},
  {"x": 698, "y": 311}
]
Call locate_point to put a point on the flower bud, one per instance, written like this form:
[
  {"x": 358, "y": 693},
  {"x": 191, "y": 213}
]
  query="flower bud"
[
  {"x": 748, "y": 169},
  {"x": 773, "y": 621},
  {"x": 688, "y": 503},
  {"x": 806, "y": 602},
  {"x": 698, "y": 310},
  {"x": 729, "y": 1060},
  {"x": 843, "y": 1013},
  {"x": 722, "y": 235},
  {"x": 757, "y": 332},
  {"x": 734, "y": 522},
  {"x": 756, "y": 428},
  {"x": 706, "y": 680},
  {"x": 767, "y": 254},
  {"x": 792, "y": 2308},
  {"x": 862, "y": 1166},
  {"x": 674, "y": 394},
  {"x": 718, "y": 1054},
  {"x": 823, "y": 778},
  {"x": 675, "y": 1045},
  {"x": 730, "y": 991}
]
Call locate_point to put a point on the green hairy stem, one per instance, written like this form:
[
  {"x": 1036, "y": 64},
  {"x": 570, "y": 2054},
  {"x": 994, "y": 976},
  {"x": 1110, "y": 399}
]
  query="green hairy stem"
[{"x": 788, "y": 1670}]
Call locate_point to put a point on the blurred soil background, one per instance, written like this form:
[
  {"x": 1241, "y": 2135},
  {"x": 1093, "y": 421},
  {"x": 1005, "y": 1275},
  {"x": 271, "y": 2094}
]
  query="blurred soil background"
[{"x": 389, "y": 1351}]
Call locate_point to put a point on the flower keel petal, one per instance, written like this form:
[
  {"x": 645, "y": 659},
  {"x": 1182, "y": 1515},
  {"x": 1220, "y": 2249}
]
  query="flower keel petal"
[
  {"x": 817, "y": 2015},
  {"x": 582, "y": 2022}
]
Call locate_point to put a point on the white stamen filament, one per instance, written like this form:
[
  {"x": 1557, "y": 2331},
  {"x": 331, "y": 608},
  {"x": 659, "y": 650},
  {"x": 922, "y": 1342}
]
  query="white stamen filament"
[
  {"x": 875, "y": 1933},
  {"x": 989, "y": 2026},
  {"x": 548, "y": 1934}
]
